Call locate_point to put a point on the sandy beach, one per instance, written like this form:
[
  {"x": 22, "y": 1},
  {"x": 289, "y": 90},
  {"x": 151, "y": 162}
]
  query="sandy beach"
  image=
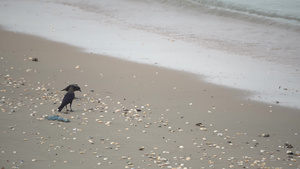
[{"x": 130, "y": 115}]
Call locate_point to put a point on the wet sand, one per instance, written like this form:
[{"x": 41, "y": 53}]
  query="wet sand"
[{"x": 130, "y": 115}]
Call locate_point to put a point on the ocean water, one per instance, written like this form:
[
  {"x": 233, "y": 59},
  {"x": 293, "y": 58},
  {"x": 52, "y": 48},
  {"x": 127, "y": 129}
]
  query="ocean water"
[
  {"x": 248, "y": 45},
  {"x": 280, "y": 10}
]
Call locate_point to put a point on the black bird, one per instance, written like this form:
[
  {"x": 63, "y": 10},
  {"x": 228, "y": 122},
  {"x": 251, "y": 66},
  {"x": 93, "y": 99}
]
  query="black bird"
[
  {"x": 75, "y": 87},
  {"x": 68, "y": 98}
]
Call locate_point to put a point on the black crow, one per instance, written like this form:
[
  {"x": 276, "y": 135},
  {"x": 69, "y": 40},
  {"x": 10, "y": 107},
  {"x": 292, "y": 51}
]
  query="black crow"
[
  {"x": 75, "y": 87},
  {"x": 68, "y": 98}
]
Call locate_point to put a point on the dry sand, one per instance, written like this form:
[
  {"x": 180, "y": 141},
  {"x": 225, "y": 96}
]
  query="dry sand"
[{"x": 130, "y": 115}]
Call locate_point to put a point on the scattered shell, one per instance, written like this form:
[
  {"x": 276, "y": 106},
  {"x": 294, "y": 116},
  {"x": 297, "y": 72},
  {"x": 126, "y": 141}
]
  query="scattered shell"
[
  {"x": 200, "y": 125},
  {"x": 35, "y": 59},
  {"x": 220, "y": 134},
  {"x": 287, "y": 145},
  {"x": 91, "y": 141},
  {"x": 264, "y": 135}
]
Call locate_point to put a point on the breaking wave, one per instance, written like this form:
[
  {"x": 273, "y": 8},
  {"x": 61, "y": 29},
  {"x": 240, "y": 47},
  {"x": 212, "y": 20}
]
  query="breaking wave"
[{"x": 245, "y": 12}]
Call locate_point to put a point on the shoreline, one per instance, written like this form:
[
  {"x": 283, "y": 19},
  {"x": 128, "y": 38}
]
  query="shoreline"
[
  {"x": 265, "y": 61},
  {"x": 158, "y": 129}
]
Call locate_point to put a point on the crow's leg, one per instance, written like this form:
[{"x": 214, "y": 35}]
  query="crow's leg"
[
  {"x": 71, "y": 107},
  {"x": 67, "y": 108}
]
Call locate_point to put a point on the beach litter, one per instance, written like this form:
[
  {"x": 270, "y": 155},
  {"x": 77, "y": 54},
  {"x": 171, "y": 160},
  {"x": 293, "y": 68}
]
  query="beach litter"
[{"x": 56, "y": 117}]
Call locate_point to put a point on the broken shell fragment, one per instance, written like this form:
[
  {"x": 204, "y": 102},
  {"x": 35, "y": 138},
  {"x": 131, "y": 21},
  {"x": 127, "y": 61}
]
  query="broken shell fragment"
[
  {"x": 91, "y": 141},
  {"x": 200, "y": 125},
  {"x": 264, "y": 135}
]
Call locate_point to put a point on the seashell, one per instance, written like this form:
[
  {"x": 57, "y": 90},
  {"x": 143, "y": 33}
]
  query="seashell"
[
  {"x": 108, "y": 123},
  {"x": 265, "y": 135},
  {"x": 157, "y": 161},
  {"x": 91, "y": 141},
  {"x": 220, "y": 134},
  {"x": 33, "y": 160},
  {"x": 208, "y": 143},
  {"x": 287, "y": 145}
]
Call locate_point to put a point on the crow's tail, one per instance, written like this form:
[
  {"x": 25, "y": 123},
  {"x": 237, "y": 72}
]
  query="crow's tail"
[{"x": 60, "y": 108}]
